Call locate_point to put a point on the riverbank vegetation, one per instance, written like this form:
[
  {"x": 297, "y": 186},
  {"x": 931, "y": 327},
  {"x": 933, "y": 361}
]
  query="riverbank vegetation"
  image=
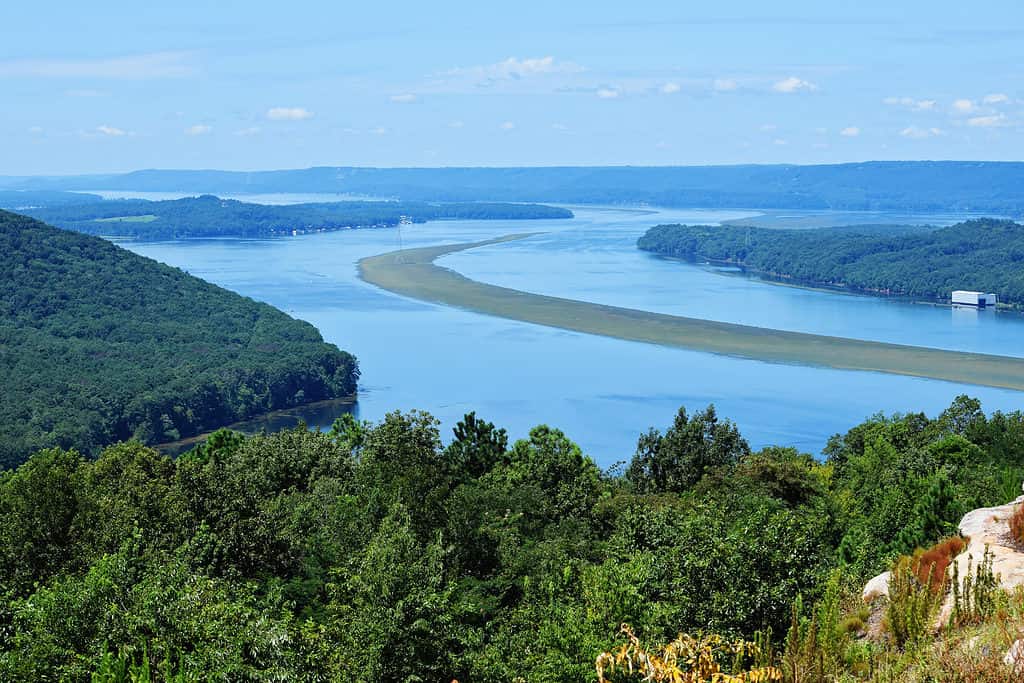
[
  {"x": 983, "y": 254},
  {"x": 209, "y": 216},
  {"x": 98, "y": 344},
  {"x": 376, "y": 552}
]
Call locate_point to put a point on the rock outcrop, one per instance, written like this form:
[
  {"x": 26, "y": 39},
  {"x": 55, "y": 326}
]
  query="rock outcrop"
[
  {"x": 984, "y": 528},
  {"x": 877, "y": 587},
  {"x": 989, "y": 528}
]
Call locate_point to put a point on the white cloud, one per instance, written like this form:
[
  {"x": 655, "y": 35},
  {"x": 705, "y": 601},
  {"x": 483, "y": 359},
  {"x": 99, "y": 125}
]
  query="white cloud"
[
  {"x": 850, "y": 132},
  {"x": 911, "y": 103},
  {"x": 780, "y": 141},
  {"x": 996, "y": 98},
  {"x": 559, "y": 126},
  {"x": 456, "y": 124},
  {"x": 132, "y": 67},
  {"x": 821, "y": 130},
  {"x": 379, "y": 130},
  {"x": 607, "y": 93},
  {"x": 670, "y": 88},
  {"x": 514, "y": 68},
  {"x": 917, "y": 133},
  {"x": 508, "y": 125},
  {"x": 198, "y": 129},
  {"x": 36, "y": 130},
  {"x": 963, "y": 106},
  {"x": 991, "y": 121},
  {"x": 724, "y": 84},
  {"x": 111, "y": 131},
  {"x": 288, "y": 114},
  {"x": 246, "y": 132},
  {"x": 768, "y": 127},
  {"x": 404, "y": 98},
  {"x": 793, "y": 84}
]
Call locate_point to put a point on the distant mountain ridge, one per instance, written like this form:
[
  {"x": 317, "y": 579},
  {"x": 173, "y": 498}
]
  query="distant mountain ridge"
[{"x": 981, "y": 186}]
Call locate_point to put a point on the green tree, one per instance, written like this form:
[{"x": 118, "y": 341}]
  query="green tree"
[
  {"x": 691, "y": 447},
  {"x": 401, "y": 462},
  {"x": 390, "y": 611},
  {"x": 932, "y": 519},
  {"x": 38, "y": 505},
  {"x": 478, "y": 446},
  {"x": 567, "y": 481}
]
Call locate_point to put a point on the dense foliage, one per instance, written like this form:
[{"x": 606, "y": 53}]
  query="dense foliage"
[
  {"x": 209, "y": 216},
  {"x": 98, "y": 345},
  {"x": 984, "y": 254},
  {"x": 876, "y": 185},
  {"x": 376, "y": 553}
]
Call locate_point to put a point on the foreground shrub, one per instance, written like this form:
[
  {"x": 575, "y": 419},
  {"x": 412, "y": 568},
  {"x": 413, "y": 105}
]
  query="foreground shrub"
[
  {"x": 930, "y": 565},
  {"x": 974, "y": 599},
  {"x": 689, "y": 659},
  {"x": 912, "y": 603},
  {"x": 1017, "y": 524}
]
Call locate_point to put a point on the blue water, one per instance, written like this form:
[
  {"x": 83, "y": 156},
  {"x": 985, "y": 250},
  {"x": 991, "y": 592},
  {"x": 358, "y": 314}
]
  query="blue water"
[{"x": 602, "y": 392}]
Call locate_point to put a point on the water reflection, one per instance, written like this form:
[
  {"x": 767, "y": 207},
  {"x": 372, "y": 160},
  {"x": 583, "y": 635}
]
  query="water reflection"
[{"x": 319, "y": 416}]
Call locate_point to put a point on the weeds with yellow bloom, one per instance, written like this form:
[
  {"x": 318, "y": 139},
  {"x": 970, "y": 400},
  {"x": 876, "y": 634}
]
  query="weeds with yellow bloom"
[{"x": 687, "y": 659}]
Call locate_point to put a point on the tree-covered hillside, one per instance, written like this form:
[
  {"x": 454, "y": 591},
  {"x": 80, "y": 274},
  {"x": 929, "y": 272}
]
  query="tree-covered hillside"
[
  {"x": 98, "y": 344},
  {"x": 209, "y": 216},
  {"x": 984, "y": 254},
  {"x": 376, "y": 553}
]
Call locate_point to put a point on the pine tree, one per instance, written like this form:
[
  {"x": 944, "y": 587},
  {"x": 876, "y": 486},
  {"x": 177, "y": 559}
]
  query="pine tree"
[{"x": 933, "y": 517}]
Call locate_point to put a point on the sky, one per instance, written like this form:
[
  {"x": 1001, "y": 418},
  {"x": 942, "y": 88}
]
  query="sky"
[{"x": 111, "y": 86}]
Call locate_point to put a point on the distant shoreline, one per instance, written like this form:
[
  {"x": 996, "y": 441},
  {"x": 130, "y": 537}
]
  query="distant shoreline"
[
  {"x": 413, "y": 273},
  {"x": 749, "y": 273},
  {"x": 249, "y": 425}
]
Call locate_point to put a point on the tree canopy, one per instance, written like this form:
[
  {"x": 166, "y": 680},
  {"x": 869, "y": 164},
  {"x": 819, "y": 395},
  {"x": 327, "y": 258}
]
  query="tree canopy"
[{"x": 377, "y": 552}]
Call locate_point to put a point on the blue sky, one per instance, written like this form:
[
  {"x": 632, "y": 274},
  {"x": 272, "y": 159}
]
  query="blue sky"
[{"x": 114, "y": 86}]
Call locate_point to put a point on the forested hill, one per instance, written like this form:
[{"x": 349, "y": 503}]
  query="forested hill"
[
  {"x": 209, "y": 216},
  {"x": 98, "y": 344},
  {"x": 984, "y": 254},
  {"x": 993, "y": 187},
  {"x": 20, "y": 200}
]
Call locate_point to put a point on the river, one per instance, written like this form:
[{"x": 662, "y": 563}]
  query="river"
[{"x": 602, "y": 392}]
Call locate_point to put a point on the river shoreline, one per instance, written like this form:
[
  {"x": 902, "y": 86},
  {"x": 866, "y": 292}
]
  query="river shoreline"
[{"x": 273, "y": 420}]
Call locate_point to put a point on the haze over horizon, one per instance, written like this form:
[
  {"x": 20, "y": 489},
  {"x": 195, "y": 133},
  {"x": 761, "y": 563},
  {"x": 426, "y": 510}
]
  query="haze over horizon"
[{"x": 247, "y": 86}]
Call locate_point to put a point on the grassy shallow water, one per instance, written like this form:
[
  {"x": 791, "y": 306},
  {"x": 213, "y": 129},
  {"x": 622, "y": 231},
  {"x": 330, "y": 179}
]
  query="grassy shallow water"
[{"x": 413, "y": 273}]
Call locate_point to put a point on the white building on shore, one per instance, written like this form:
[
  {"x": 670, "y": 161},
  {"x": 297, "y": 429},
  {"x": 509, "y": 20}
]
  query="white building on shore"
[{"x": 963, "y": 297}]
